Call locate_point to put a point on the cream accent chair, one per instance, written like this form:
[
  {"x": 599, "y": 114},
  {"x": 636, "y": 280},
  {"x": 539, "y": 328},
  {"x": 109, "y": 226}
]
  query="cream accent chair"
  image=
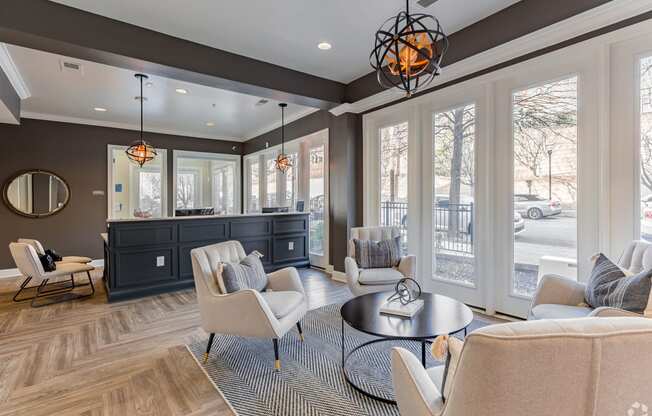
[
  {"x": 30, "y": 266},
  {"x": 246, "y": 313},
  {"x": 64, "y": 259},
  {"x": 558, "y": 297},
  {"x": 363, "y": 281},
  {"x": 567, "y": 367}
]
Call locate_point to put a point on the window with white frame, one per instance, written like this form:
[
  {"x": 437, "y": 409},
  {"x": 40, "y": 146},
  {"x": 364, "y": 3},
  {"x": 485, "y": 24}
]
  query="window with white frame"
[
  {"x": 394, "y": 178},
  {"x": 206, "y": 181},
  {"x": 135, "y": 191}
]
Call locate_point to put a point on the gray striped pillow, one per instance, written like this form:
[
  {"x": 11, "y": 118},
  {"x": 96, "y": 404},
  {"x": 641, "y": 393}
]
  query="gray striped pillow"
[
  {"x": 248, "y": 274},
  {"x": 382, "y": 254},
  {"x": 610, "y": 286}
]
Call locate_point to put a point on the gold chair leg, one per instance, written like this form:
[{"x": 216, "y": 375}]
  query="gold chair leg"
[
  {"x": 300, "y": 332},
  {"x": 277, "y": 361}
]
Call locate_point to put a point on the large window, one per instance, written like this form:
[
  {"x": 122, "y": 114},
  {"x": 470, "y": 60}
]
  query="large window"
[
  {"x": 134, "y": 191},
  {"x": 453, "y": 194},
  {"x": 291, "y": 181},
  {"x": 645, "y": 109},
  {"x": 206, "y": 183},
  {"x": 394, "y": 178},
  {"x": 317, "y": 200},
  {"x": 304, "y": 184},
  {"x": 253, "y": 185},
  {"x": 544, "y": 129},
  {"x": 271, "y": 174}
]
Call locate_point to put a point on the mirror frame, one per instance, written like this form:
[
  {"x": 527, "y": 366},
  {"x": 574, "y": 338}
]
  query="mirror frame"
[{"x": 8, "y": 204}]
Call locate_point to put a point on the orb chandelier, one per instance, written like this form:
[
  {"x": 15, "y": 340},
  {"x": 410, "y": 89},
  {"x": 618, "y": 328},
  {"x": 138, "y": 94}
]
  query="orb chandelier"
[
  {"x": 141, "y": 152},
  {"x": 407, "y": 53},
  {"x": 282, "y": 160}
]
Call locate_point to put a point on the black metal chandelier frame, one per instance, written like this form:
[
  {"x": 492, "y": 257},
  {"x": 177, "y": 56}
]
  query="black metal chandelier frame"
[{"x": 392, "y": 38}]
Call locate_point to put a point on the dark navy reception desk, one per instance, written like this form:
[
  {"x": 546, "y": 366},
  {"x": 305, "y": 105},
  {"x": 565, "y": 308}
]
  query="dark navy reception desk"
[{"x": 150, "y": 256}]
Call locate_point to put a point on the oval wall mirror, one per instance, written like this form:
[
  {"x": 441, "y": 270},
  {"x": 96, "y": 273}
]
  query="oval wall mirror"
[{"x": 36, "y": 193}]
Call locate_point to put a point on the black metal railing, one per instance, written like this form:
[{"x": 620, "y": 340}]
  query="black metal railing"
[{"x": 453, "y": 224}]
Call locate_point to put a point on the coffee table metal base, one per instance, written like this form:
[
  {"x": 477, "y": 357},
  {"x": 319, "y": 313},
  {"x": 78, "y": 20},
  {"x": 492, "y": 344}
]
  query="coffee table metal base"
[{"x": 346, "y": 356}]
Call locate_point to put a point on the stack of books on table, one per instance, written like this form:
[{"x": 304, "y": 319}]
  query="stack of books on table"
[{"x": 395, "y": 307}]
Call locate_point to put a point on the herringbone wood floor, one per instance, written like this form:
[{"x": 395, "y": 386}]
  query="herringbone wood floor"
[{"x": 92, "y": 358}]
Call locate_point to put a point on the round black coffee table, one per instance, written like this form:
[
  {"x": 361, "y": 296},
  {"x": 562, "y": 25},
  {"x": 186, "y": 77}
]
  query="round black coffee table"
[{"x": 440, "y": 315}]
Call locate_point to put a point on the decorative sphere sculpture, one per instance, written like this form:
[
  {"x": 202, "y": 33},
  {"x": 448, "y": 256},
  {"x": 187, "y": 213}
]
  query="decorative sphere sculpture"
[{"x": 406, "y": 291}]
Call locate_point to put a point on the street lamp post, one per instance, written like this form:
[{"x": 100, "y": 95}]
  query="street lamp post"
[{"x": 550, "y": 173}]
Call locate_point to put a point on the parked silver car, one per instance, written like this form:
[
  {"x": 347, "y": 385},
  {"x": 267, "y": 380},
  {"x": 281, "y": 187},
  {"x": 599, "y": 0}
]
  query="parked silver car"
[{"x": 535, "y": 207}]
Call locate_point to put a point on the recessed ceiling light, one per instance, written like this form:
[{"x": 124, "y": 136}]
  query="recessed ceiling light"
[
  {"x": 182, "y": 91},
  {"x": 149, "y": 84},
  {"x": 210, "y": 124},
  {"x": 324, "y": 46},
  {"x": 100, "y": 109}
]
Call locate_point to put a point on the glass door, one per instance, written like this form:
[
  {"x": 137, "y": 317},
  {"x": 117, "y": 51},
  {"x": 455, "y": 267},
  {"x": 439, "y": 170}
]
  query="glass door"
[
  {"x": 544, "y": 134},
  {"x": 450, "y": 203},
  {"x": 547, "y": 124},
  {"x": 318, "y": 203},
  {"x": 394, "y": 179}
]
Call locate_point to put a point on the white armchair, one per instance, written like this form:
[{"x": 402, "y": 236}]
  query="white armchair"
[
  {"x": 29, "y": 265},
  {"x": 247, "y": 313},
  {"x": 565, "y": 367},
  {"x": 558, "y": 297},
  {"x": 363, "y": 281}
]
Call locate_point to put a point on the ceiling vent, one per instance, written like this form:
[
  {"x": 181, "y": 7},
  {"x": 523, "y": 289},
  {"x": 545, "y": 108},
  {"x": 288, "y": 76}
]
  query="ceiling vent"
[
  {"x": 262, "y": 101},
  {"x": 426, "y": 3},
  {"x": 68, "y": 66}
]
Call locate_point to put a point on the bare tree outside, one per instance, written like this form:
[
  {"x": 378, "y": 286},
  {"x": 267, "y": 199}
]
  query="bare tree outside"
[
  {"x": 454, "y": 133},
  {"x": 185, "y": 191}
]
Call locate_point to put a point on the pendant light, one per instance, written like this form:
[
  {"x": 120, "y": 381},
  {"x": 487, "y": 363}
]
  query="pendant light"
[
  {"x": 407, "y": 54},
  {"x": 141, "y": 152},
  {"x": 282, "y": 160}
]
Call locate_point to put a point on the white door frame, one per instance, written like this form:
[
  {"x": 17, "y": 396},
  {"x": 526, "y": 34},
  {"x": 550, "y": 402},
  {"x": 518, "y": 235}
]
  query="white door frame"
[
  {"x": 585, "y": 64},
  {"x": 448, "y": 100}
]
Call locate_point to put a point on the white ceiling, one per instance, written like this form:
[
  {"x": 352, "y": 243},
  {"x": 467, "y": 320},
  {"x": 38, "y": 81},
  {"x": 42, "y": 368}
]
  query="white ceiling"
[
  {"x": 286, "y": 32},
  {"x": 63, "y": 95}
]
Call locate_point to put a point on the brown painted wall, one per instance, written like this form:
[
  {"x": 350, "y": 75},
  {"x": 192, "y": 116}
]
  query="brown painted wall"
[{"x": 77, "y": 153}]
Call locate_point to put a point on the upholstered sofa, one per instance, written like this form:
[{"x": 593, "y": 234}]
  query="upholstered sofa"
[
  {"x": 567, "y": 367},
  {"x": 247, "y": 313},
  {"x": 558, "y": 297},
  {"x": 363, "y": 281}
]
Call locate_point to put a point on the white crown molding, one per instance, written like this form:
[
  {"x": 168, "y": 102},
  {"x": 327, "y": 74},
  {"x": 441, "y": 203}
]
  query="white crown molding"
[
  {"x": 596, "y": 18},
  {"x": 124, "y": 126},
  {"x": 11, "y": 70},
  {"x": 277, "y": 124}
]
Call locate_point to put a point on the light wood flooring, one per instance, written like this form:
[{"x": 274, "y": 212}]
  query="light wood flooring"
[{"x": 128, "y": 358}]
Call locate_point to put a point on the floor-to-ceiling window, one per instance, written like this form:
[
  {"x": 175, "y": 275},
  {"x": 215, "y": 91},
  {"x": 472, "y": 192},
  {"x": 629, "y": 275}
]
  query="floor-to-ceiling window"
[
  {"x": 303, "y": 186},
  {"x": 394, "y": 178},
  {"x": 453, "y": 204},
  {"x": 545, "y": 145},
  {"x": 645, "y": 135}
]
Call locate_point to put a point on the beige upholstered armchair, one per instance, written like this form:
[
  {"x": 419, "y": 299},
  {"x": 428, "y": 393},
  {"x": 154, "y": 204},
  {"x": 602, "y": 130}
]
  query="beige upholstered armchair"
[
  {"x": 363, "y": 281},
  {"x": 247, "y": 313},
  {"x": 568, "y": 367},
  {"x": 46, "y": 292},
  {"x": 558, "y": 297}
]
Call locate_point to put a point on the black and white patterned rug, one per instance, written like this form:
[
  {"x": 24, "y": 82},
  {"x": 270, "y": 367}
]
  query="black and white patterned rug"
[{"x": 310, "y": 381}]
